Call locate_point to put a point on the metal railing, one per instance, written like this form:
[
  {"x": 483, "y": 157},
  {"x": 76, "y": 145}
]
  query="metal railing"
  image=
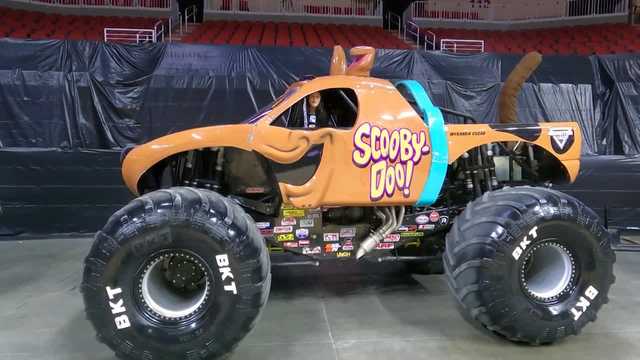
[
  {"x": 347, "y": 8},
  {"x": 458, "y": 10},
  {"x": 140, "y": 4},
  {"x": 516, "y": 10},
  {"x": 394, "y": 19},
  {"x": 174, "y": 21},
  {"x": 131, "y": 36},
  {"x": 161, "y": 31},
  {"x": 596, "y": 7},
  {"x": 429, "y": 40},
  {"x": 411, "y": 29},
  {"x": 462, "y": 46},
  {"x": 189, "y": 12},
  {"x": 159, "y": 28},
  {"x": 420, "y": 36}
]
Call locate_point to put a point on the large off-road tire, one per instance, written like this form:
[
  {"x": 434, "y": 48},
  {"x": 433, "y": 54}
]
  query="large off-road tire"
[
  {"x": 180, "y": 273},
  {"x": 531, "y": 264}
]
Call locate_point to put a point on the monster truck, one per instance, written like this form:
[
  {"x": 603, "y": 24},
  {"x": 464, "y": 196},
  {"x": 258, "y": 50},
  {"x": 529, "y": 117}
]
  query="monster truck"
[{"x": 183, "y": 271}]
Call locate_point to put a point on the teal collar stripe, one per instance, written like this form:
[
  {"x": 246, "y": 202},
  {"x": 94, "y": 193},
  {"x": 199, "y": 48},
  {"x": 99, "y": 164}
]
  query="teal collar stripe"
[{"x": 434, "y": 120}]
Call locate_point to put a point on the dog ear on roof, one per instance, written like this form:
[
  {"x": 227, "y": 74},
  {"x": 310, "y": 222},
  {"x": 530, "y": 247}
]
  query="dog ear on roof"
[
  {"x": 338, "y": 61},
  {"x": 363, "y": 59}
]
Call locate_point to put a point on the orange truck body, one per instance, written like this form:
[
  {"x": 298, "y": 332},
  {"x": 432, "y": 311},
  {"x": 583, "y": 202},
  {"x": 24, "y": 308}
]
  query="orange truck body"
[{"x": 388, "y": 136}]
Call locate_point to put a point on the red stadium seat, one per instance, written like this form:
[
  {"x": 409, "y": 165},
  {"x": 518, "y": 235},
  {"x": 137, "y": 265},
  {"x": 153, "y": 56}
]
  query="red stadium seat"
[
  {"x": 311, "y": 36},
  {"x": 339, "y": 36},
  {"x": 255, "y": 34},
  {"x": 240, "y": 34},
  {"x": 282, "y": 37},
  {"x": 19, "y": 33},
  {"x": 297, "y": 36},
  {"x": 269, "y": 35},
  {"x": 325, "y": 37},
  {"x": 225, "y": 34}
]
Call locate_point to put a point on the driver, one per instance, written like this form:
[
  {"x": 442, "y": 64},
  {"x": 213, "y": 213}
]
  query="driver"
[{"x": 315, "y": 115}]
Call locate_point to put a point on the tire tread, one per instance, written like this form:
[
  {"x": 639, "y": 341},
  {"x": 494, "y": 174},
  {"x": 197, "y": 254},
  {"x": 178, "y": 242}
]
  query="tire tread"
[
  {"x": 461, "y": 262},
  {"x": 198, "y": 206}
]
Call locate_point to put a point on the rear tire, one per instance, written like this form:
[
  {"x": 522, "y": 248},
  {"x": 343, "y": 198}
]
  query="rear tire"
[
  {"x": 530, "y": 264},
  {"x": 181, "y": 273}
]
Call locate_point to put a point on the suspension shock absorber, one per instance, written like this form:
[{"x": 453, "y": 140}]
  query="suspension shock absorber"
[
  {"x": 189, "y": 169},
  {"x": 532, "y": 158},
  {"x": 477, "y": 169},
  {"x": 219, "y": 168},
  {"x": 468, "y": 178},
  {"x": 492, "y": 166},
  {"x": 484, "y": 149}
]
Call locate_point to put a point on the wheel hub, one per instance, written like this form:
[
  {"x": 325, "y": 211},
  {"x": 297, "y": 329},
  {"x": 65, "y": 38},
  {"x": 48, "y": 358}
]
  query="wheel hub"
[
  {"x": 548, "y": 272},
  {"x": 174, "y": 286}
]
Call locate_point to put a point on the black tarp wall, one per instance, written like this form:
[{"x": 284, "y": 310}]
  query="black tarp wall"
[{"x": 67, "y": 107}]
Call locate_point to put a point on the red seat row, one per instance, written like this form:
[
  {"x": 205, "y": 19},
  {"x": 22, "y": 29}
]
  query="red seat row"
[
  {"x": 293, "y": 34},
  {"x": 38, "y": 26},
  {"x": 578, "y": 40}
]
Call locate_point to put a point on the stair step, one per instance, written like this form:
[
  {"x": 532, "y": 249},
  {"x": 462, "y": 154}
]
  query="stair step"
[{"x": 406, "y": 41}]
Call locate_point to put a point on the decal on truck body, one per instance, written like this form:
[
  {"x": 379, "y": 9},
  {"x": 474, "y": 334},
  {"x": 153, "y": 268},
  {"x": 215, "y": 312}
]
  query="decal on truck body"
[
  {"x": 561, "y": 139},
  {"x": 391, "y": 156}
]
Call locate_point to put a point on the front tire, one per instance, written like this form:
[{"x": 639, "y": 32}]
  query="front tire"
[
  {"x": 533, "y": 265},
  {"x": 181, "y": 273}
]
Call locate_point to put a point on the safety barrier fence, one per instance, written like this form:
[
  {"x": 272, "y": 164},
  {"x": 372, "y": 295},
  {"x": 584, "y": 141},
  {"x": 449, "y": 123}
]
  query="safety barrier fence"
[
  {"x": 514, "y": 10},
  {"x": 163, "y": 30},
  {"x": 462, "y": 46},
  {"x": 135, "y": 36},
  {"x": 345, "y": 8},
  {"x": 445, "y": 10},
  {"x": 596, "y": 7},
  {"x": 462, "y": 10},
  {"x": 141, "y": 4}
]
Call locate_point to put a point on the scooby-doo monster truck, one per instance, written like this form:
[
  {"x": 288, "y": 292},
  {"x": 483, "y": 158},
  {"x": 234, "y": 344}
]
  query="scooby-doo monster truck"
[{"x": 183, "y": 271}]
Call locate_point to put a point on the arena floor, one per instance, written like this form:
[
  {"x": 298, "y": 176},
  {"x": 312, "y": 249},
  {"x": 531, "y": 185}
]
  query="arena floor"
[{"x": 346, "y": 313}]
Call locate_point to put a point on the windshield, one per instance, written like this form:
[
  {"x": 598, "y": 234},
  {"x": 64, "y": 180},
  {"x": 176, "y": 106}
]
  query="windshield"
[{"x": 266, "y": 109}]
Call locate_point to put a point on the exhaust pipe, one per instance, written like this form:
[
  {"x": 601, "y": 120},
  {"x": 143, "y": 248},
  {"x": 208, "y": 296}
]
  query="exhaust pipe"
[{"x": 390, "y": 222}]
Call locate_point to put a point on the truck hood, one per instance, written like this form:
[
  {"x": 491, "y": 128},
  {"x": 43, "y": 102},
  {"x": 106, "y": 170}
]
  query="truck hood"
[{"x": 141, "y": 158}]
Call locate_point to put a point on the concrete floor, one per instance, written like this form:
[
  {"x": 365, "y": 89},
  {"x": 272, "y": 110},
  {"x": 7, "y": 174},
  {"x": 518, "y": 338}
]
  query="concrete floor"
[{"x": 313, "y": 314}]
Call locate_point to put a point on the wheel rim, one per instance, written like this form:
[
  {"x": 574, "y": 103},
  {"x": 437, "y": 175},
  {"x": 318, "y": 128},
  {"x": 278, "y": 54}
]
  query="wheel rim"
[
  {"x": 548, "y": 271},
  {"x": 174, "y": 286}
]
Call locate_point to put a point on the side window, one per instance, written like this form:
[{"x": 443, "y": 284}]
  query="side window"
[{"x": 337, "y": 108}]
